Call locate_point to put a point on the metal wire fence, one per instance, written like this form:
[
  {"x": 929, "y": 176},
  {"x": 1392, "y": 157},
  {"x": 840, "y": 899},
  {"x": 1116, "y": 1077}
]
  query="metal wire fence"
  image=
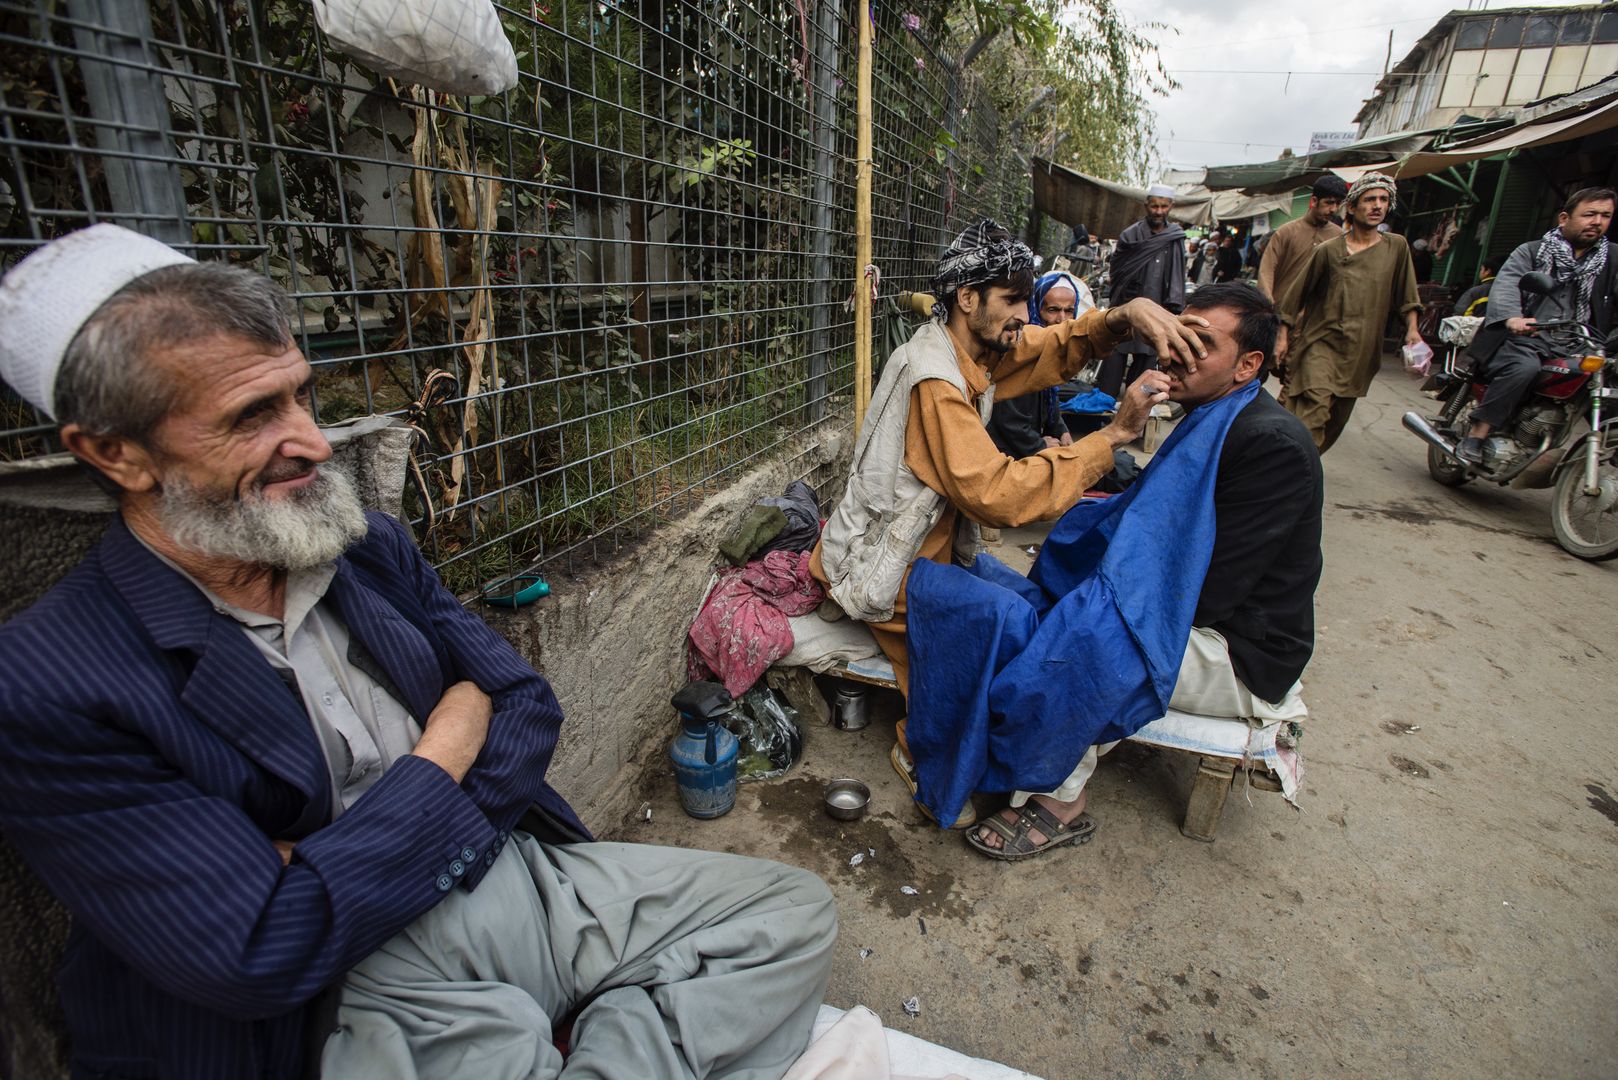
[{"x": 598, "y": 295}]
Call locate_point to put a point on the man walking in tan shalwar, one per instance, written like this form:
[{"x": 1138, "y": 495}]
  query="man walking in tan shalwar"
[
  {"x": 1333, "y": 313},
  {"x": 1290, "y": 247}
]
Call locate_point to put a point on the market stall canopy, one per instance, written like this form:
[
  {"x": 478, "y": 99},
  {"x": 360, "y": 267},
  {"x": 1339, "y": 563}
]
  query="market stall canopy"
[
  {"x": 1289, "y": 174},
  {"x": 1587, "y": 119},
  {"x": 1104, "y": 207}
]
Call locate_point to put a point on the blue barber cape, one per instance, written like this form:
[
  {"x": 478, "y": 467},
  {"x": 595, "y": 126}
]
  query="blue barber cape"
[{"x": 1012, "y": 679}]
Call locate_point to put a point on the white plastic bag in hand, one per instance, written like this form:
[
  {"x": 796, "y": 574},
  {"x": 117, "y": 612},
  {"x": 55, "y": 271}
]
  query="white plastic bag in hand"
[
  {"x": 1418, "y": 358},
  {"x": 455, "y": 46}
]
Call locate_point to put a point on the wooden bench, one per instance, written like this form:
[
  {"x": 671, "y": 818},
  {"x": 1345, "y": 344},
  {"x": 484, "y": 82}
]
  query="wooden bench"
[{"x": 1218, "y": 768}]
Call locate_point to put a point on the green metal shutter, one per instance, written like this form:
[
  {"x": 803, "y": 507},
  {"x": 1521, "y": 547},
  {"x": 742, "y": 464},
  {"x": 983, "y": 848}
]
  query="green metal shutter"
[{"x": 1523, "y": 210}]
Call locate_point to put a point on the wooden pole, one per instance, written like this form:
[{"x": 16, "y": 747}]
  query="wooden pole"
[{"x": 862, "y": 226}]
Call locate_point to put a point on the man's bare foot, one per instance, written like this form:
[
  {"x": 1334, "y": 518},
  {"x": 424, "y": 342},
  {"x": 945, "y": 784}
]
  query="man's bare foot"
[{"x": 1065, "y": 812}]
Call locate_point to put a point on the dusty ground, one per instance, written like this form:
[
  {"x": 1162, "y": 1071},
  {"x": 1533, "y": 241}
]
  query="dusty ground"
[{"x": 1444, "y": 904}]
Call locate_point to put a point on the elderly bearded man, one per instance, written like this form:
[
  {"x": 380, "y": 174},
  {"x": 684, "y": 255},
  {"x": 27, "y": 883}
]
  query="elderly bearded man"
[
  {"x": 1333, "y": 313},
  {"x": 258, "y": 751},
  {"x": 1149, "y": 262},
  {"x": 925, "y": 474}
]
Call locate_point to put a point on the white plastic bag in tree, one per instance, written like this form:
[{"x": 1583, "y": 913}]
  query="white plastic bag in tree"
[{"x": 455, "y": 46}]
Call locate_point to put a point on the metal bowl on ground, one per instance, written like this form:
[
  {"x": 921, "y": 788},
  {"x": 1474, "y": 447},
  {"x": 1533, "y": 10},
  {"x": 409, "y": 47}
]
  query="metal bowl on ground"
[{"x": 846, "y": 799}]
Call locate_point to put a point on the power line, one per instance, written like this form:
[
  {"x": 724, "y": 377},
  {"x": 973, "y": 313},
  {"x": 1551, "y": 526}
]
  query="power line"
[
  {"x": 1294, "y": 37},
  {"x": 1239, "y": 71},
  {"x": 1228, "y": 142}
]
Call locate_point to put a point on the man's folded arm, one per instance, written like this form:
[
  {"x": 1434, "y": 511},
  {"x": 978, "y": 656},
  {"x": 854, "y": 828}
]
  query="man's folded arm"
[
  {"x": 188, "y": 890},
  {"x": 510, "y": 771}
]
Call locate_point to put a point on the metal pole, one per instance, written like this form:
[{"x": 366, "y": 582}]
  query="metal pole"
[
  {"x": 862, "y": 227},
  {"x": 127, "y": 97},
  {"x": 820, "y": 305}
]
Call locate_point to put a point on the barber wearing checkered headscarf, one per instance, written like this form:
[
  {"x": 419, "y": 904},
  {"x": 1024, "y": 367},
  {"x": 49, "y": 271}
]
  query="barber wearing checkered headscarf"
[
  {"x": 983, "y": 252},
  {"x": 1578, "y": 256},
  {"x": 925, "y": 469},
  {"x": 1335, "y": 308}
]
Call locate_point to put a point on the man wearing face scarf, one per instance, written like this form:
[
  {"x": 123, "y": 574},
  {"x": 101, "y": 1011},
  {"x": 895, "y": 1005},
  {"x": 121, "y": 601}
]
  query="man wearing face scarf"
[
  {"x": 1149, "y": 262},
  {"x": 1576, "y": 255},
  {"x": 925, "y": 473}
]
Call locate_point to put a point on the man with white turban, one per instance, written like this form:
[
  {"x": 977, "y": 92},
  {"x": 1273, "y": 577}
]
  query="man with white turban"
[
  {"x": 1149, "y": 262},
  {"x": 1333, "y": 312},
  {"x": 291, "y": 791}
]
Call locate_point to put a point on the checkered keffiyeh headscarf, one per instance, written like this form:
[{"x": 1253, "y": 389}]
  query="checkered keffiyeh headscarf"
[
  {"x": 973, "y": 259},
  {"x": 1556, "y": 257},
  {"x": 1374, "y": 180}
]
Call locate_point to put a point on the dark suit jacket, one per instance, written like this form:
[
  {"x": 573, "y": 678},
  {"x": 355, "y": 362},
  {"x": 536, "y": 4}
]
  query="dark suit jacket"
[
  {"x": 1260, "y": 588},
  {"x": 150, "y": 757}
]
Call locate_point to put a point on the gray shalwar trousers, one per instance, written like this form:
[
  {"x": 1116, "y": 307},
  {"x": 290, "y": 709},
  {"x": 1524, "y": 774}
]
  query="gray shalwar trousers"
[{"x": 688, "y": 964}]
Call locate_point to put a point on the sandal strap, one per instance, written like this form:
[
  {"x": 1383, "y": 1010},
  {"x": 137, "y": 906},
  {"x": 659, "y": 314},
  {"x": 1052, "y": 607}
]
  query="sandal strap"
[
  {"x": 1007, "y": 831},
  {"x": 1032, "y": 814}
]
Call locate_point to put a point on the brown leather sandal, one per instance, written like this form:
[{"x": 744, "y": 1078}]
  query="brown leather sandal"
[{"x": 1016, "y": 839}]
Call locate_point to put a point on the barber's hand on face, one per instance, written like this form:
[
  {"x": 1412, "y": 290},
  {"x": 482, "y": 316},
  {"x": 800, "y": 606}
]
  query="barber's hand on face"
[
  {"x": 1521, "y": 325},
  {"x": 1169, "y": 335},
  {"x": 456, "y": 729},
  {"x": 1135, "y": 406}
]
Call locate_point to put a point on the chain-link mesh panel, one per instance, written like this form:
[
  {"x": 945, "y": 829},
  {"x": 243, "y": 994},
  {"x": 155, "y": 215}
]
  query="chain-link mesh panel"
[{"x": 598, "y": 295}]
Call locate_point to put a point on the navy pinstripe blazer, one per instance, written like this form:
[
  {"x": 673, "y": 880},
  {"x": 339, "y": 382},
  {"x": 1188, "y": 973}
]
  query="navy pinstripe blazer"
[{"x": 150, "y": 755}]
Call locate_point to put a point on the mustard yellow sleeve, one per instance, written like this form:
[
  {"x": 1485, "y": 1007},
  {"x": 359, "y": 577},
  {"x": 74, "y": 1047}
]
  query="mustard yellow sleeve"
[
  {"x": 948, "y": 449},
  {"x": 1047, "y": 355}
]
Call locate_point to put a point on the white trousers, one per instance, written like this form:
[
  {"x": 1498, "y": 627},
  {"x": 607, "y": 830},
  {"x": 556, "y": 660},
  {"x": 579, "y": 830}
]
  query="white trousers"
[{"x": 1207, "y": 686}]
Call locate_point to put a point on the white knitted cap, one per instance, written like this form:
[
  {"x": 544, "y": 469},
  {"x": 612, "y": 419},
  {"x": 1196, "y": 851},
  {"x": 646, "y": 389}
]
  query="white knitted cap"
[
  {"x": 1160, "y": 191},
  {"x": 47, "y": 297}
]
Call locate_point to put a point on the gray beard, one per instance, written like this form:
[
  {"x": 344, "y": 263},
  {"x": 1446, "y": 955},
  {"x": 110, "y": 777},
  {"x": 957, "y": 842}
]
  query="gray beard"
[{"x": 312, "y": 526}]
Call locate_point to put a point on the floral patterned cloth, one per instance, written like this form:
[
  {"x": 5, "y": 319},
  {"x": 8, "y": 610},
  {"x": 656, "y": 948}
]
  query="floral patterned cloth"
[{"x": 743, "y": 629}]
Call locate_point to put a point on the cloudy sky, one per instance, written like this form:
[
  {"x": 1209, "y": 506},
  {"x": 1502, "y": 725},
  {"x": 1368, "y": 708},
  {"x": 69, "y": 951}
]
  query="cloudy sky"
[{"x": 1228, "y": 110}]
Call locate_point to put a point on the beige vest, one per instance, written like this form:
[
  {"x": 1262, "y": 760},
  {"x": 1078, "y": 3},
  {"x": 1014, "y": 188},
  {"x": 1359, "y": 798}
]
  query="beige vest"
[{"x": 874, "y": 534}]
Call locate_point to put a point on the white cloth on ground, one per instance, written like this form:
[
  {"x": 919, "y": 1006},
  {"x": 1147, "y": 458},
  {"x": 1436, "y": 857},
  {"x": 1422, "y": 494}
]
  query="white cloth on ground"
[{"x": 854, "y": 1045}]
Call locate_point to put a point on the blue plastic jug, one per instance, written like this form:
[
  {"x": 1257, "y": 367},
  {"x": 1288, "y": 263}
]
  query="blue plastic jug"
[{"x": 704, "y": 752}]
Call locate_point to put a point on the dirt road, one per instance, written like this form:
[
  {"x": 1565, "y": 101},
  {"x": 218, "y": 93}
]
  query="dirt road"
[{"x": 1446, "y": 903}]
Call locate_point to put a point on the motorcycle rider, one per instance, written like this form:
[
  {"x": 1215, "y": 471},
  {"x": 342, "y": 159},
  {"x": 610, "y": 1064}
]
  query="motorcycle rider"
[{"x": 1508, "y": 349}]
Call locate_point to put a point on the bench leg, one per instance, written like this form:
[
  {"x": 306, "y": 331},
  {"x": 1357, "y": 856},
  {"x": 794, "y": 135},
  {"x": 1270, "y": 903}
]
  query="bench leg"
[
  {"x": 1207, "y": 802},
  {"x": 797, "y": 685}
]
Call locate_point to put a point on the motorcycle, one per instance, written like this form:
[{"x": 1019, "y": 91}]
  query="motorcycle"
[{"x": 1535, "y": 448}]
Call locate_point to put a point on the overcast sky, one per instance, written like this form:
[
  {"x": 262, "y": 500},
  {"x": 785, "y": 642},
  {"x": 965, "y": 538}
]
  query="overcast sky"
[{"x": 1227, "y": 113}]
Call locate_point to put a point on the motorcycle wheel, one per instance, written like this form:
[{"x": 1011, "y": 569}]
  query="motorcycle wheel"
[
  {"x": 1445, "y": 469},
  {"x": 1586, "y": 525}
]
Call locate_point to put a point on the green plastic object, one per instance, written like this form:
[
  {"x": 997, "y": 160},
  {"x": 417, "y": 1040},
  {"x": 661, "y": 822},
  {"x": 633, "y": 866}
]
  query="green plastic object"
[{"x": 515, "y": 591}]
